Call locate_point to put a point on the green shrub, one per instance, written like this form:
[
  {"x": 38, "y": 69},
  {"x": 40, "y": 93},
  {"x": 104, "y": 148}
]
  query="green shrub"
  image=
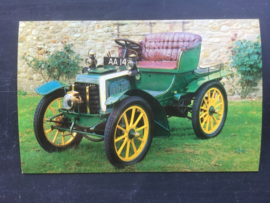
[
  {"x": 20, "y": 92},
  {"x": 62, "y": 64},
  {"x": 247, "y": 59}
]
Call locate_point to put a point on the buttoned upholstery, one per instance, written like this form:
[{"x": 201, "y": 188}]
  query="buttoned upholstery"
[{"x": 162, "y": 50}]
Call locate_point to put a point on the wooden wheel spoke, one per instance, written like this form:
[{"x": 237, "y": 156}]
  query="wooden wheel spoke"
[
  {"x": 205, "y": 101},
  {"x": 47, "y": 131},
  {"x": 52, "y": 109},
  {"x": 132, "y": 117},
  {"x": 211, "y": 123},
  {"x": 119, "y": 127},
  {"x": 128, "y": 146},
  {"x": 59, "y": 103},
  {"x": 138, "y": 119},
  {"x": 126, "y": 120},
  {"x": 133, "y": 145},
  {"x": 122, "y": 147},
  {"x": 218, "y": 104},
  {"x": 203, "y": 115},
  {"x": 139, "y": 139},
  {"x": 203, "y": 108},
  {"x": 138, "y": 129},
  {"x": 120, "y": 138},
  {"x": 209, "y": 96},
  {"x": 63, "y": 138},
  {"x": 215, "y": 119},
  {"x": 215, "y": 100},
  {"x": 204, "y": 120},
  {"x": 207, "y": 123},
  {"x": 213, "y": 94},
  {"x": 56, "y": 134}
]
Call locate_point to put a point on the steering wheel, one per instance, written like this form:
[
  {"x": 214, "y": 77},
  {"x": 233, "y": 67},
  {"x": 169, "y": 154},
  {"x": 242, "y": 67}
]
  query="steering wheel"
[{"x": 127, "y": 44}]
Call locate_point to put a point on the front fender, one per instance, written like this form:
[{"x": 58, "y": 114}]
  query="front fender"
[
  {"x": 115, "y": 98},
  {"x": 161, "y": 128},
  {"x": 49, "y": 87}
]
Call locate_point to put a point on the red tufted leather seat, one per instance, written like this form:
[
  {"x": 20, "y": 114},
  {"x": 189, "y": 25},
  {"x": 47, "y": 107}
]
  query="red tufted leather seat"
[
  {"x": 162, "y": 50},
  {"x": 158, "y": 64}
]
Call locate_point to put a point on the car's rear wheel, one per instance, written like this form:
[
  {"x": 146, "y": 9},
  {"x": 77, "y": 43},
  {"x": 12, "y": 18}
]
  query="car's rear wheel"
[
  {"x": 209, "y": 110},
  {"x": 128, "y": 133},
  {"x": 51, "y": 139}
]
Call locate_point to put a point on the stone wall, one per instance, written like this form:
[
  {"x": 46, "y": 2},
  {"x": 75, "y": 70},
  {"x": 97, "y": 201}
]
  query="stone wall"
[{"x": 98, "y": 35}]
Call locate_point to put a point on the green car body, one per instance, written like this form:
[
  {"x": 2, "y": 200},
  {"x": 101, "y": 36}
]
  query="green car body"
[{"x": 163, "y": 89}]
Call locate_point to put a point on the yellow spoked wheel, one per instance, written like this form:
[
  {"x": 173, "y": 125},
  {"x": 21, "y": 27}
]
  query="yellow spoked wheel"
[
  {"x": 131, "y": 133},
  {"x": 56, "y": 137},
  {"x": 128, "y": 132},
  {"x": 45, "y": 117},
  {"x": 209, "y": 110}
]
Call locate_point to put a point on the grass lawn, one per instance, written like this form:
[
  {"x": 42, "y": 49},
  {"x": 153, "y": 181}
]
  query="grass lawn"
[{"x": 236, "y": 148}]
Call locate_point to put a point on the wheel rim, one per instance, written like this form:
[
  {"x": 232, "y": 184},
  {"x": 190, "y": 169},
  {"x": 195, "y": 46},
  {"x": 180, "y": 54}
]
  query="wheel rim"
[
  {"x": 131, "y": 133},
  {"x": 56, "y": 137},
  {"x": 211, "y": 110}
]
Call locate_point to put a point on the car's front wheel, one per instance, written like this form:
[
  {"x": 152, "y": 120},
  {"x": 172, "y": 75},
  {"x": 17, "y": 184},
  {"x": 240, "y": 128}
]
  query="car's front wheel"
[
  {"x": 51, "y": 139},
  {"x": 128, "y": 132}
]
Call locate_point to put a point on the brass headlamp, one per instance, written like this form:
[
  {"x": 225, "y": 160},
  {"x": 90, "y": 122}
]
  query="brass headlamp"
[
  {"x": 71, "y": 99},
  {"x": 91, "y": 61},
  {"x": 132, "y": 64}
]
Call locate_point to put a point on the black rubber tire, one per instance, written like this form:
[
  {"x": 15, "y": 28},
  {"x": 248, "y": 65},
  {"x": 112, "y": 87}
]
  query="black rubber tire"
[
  {"x": 38, "y": 124},
  {"x": 196, "y": 110},
  {"x": 111, "y": 125}
]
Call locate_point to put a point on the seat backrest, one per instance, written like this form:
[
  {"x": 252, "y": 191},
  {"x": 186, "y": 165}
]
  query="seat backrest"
[{"x": 167, "y": 46}]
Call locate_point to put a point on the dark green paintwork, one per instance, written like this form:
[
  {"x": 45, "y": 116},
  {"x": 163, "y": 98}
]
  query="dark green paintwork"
[
  {"x": 85, "y": 120},
  {"x": 78, "y": 131},
  {"x": 101, "y": 70},
  {"x": 193, "y": 86},
  {"x": 163, "y": 87},
  {"x": 189, "y": 59},
  {"x": 154, "y": 81},
  {"x": 115, "y": 98},
  {"x": 159, "y": 87},
  {"x": 161, "y": 126}
]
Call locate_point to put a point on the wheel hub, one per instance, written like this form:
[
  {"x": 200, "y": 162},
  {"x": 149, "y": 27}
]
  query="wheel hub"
[
  {"x": 211, "y": 110},
  {"x": 132, "y": 134},
  {"x": 59, "y": 119}
]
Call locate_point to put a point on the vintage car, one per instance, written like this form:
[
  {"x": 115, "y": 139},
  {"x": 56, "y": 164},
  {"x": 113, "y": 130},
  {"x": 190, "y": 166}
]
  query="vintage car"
[{"x": 127, "y": 101}]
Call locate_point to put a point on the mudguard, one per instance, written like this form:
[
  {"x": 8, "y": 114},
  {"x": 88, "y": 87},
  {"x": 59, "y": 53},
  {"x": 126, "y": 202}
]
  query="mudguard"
[
  {"x": 49, "y": 87},
  {"x": 115, "y": 98},
  {"x": 196, "y": 84},
  {"x": 161, "y": 128}
]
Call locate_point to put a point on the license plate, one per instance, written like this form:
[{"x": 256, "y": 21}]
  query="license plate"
[{"x": 115, "y": 61}]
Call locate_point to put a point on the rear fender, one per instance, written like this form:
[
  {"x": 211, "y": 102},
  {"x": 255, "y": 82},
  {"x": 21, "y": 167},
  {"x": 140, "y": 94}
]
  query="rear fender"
[
  {"x": 49, "y": 87},
  {"x": 195, "y": 85}
]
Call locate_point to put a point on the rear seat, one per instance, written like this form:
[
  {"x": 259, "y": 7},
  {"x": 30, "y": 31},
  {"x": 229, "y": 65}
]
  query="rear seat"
[{"x": 162, "y": 50}]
